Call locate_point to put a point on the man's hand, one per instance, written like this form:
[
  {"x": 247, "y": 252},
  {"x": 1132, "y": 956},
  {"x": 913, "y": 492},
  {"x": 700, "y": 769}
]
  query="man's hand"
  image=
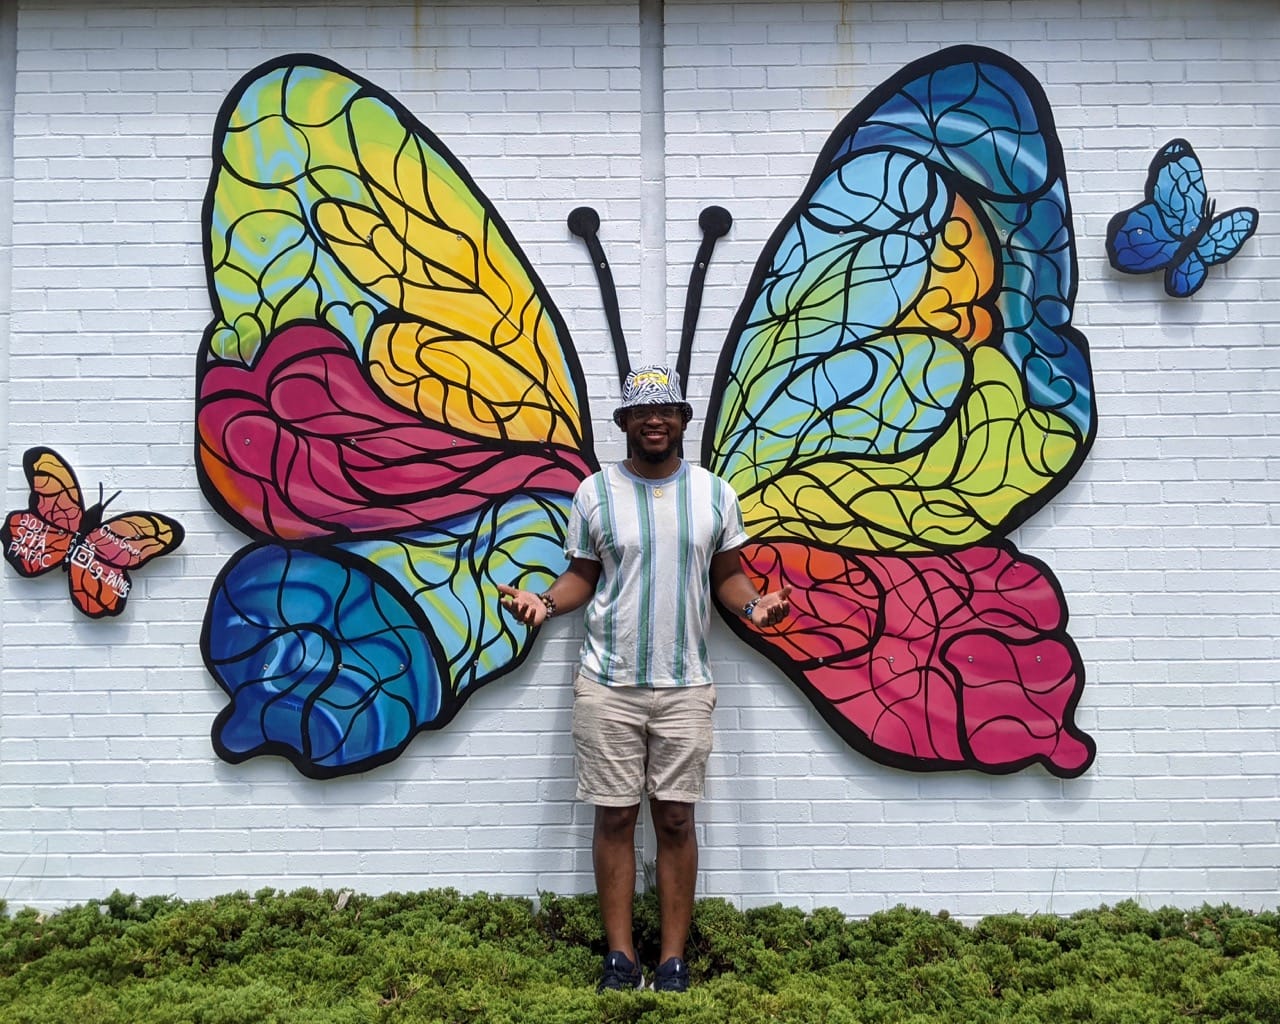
[
  {"x": 525, "y": 605},
  {"x": 772, "y": 608},
  {"x": 572, "y": 589}
]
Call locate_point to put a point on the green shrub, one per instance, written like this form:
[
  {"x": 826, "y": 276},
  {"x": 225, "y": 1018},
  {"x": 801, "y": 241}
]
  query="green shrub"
[{"x": 321, "y": 957}]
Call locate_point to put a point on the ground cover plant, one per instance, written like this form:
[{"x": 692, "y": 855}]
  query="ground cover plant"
[{"x": 311, "y": 957}]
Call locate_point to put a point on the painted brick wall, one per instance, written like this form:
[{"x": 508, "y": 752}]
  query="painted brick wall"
[{"x": 1166, "y": 543}]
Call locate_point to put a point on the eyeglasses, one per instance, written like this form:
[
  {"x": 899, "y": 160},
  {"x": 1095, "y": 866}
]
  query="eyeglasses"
[{"x": 640, "y": 413}]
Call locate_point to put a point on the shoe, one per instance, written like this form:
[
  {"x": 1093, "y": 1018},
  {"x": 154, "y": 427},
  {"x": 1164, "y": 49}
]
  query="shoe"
[
  {"x": 672, "y": 976},
  {"x": 620, "y": 973}
]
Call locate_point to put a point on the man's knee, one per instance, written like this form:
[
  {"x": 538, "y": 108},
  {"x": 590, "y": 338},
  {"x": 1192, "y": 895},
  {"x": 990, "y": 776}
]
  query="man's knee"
[
  {"x": 616, "y": 822},
  {"x": 673, "y": 821}
]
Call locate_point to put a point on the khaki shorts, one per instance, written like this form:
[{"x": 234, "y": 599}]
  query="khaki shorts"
[{"x": 631, "y": 740}]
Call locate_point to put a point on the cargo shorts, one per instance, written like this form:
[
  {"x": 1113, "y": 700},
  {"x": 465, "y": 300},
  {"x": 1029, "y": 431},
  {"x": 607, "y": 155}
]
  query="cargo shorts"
[{"x": 635, "y": 740}]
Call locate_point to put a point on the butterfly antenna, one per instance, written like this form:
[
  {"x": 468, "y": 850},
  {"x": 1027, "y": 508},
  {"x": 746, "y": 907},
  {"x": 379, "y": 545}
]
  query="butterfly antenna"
[
  {"x": 585, "y": 223},
  {"x": 104, "y": 502},
  {"x": 715, "y": 222}
]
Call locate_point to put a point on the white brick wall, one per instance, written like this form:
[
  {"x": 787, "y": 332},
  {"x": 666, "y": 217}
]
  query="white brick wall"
[{"x": 1166, "y": 543}]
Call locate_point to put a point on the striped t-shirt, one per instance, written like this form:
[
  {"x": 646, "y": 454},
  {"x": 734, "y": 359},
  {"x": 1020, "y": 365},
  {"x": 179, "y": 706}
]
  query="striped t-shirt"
[{"x": 654, "y": 539}]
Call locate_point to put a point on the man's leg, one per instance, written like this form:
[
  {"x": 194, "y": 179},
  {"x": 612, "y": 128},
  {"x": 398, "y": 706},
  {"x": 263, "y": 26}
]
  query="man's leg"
[
  {"x": 609, "y": 750},
  {"x": 679, "y": 745},
  {"x": 613, "y": 855},
  {"x": 677, "y": 872}
]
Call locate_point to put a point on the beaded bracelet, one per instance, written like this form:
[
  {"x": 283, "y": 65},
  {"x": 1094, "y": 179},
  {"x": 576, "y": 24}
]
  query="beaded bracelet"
[{"x": 548, "y": 602}]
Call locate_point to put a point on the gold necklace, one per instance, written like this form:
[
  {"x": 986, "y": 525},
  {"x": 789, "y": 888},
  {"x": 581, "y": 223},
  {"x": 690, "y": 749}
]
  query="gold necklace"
[{"x": 631, "y": 465}]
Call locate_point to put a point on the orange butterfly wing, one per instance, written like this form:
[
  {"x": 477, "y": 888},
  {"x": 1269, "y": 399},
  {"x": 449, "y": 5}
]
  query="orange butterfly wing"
[
  {"x": 98, "y": 567},
  {"x": 38, "y": 538}
]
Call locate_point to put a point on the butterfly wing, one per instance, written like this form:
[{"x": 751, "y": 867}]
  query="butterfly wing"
[
  {"x": 1140, "y": 241},
  {"x": 1222, "y": 238},
  {"x": 330, "y": 202},
  {"x": 1226, "y": 234},
  {"x": 336, "y": 656},
  {"x": 302, "y": 444},
  {"x": 98, "y": 566},
  {"x": 902, "y": 385},
  {"x": 39, "y": 538},
  {"x": 926, "y": 662},
  {"x": 385, "y": 397}
]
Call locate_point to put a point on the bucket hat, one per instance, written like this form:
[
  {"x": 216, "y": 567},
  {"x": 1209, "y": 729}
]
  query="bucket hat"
[{"x": 651, "y": 385}]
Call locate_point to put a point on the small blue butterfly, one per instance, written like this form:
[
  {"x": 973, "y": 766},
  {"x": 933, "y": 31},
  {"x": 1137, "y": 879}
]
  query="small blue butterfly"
[{"x": 1175, "y": 229}]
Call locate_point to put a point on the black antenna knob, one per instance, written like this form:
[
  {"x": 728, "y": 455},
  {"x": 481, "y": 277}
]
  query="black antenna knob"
[
  {"x": 715, "y": 221},
  {"x": 584, "y": 221}
]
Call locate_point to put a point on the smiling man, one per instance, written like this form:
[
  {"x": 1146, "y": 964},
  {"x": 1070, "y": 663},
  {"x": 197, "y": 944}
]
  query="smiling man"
[{"x": 649, "y": 541}]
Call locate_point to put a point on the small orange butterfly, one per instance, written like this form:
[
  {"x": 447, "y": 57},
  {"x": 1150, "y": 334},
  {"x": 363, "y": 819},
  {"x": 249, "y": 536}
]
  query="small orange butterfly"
[{"x": 57, "y": 530}]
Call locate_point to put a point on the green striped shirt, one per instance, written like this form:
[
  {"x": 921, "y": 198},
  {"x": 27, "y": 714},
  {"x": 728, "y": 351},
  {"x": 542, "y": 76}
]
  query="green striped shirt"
[{"x": 654, "y": 539}]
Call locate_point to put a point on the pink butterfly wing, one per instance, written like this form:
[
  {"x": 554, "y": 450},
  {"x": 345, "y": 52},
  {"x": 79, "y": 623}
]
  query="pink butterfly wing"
[
  {"x": 300, "y": 445},
  {"x": 930, "y": 662}
]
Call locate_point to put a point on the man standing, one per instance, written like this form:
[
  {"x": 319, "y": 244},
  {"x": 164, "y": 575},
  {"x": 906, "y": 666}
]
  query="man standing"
[{"x": 649, "y": 541}]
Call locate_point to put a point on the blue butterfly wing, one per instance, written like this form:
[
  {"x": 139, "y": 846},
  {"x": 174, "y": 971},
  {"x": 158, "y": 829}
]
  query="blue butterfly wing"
[
  {"x": 855, "y": 252},
  {"x": 969, "y": 120},
  {"x": 324, "y": 661},
  {"x": 1185, "y": 277},
  {"x": 1140, "y": 240},
  {"x": 1226, "y": 234},
  {"x": 1221, "y": 240},
  {"x": 1175, "y": 183},
  {"x": 336, "y": 656}
]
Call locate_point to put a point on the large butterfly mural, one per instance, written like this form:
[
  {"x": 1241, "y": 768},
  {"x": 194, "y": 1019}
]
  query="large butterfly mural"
[
  {"x": 1176, "y": 228},
  {"x": 391, "y": 408}
]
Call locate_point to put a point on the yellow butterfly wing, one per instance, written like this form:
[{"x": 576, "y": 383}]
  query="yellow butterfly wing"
[{"x": 330, "y": 203}]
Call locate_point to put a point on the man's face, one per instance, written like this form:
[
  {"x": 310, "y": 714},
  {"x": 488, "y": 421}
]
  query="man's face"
[{"x": 655, "y": 431}]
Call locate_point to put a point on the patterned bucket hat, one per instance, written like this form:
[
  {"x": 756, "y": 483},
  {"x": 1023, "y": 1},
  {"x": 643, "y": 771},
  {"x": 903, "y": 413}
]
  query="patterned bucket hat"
[{"x": 651, "y": 385}]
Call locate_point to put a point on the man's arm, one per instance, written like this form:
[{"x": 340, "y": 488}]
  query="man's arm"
[
  {"x": 735, "y": 591},
  {"x": 572, "y": 589}
]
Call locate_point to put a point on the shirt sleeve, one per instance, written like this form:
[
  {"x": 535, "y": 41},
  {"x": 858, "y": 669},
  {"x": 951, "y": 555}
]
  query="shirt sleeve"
[
  {"x": 733, "y": 534},
  {"x": 577, "y": 531}
]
